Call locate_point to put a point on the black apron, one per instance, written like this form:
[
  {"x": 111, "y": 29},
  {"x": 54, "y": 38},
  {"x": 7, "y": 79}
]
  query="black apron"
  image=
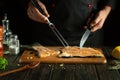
[{"x": 69, "y": 17}]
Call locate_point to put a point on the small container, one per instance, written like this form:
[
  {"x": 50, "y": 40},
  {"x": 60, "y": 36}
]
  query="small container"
[{"x": 14, "y": 45}]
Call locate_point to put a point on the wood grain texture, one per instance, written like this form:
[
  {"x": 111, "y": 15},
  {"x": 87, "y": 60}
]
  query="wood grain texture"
[
  {"x": 60, "y": 71},
  {"x": 26, "y": 57}
]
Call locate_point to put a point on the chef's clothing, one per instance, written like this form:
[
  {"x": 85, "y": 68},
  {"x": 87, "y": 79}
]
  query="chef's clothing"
[{"x": 69, "y": 17}]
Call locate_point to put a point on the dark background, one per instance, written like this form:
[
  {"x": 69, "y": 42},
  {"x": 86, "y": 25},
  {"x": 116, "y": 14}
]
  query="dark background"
[{"x": 21, "y": 25}]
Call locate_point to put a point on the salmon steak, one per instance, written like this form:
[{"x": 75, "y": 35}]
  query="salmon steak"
[
  {"x": 45, "y": 52},
  {"x": 75, "y": 51}
]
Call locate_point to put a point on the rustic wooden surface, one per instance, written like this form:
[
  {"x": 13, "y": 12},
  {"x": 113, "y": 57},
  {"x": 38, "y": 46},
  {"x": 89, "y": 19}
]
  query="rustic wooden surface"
[
  {"x": 27, "y": 57},
  {"x": 62, "y": 71}
]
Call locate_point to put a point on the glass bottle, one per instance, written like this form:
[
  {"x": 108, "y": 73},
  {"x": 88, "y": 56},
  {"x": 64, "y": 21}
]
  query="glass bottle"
[
  {"x": 6, "y": 34},
  {"x": 14, "y": 45}
]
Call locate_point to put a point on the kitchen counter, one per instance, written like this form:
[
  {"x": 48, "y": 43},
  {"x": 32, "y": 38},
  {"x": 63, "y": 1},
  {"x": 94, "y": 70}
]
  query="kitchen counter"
[{"x": 58, "y": 71}]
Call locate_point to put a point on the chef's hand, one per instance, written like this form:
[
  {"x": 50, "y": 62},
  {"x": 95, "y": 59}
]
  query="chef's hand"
[
  {"x": 34, "y": 14},
  {"x": 100, "y": 18}
]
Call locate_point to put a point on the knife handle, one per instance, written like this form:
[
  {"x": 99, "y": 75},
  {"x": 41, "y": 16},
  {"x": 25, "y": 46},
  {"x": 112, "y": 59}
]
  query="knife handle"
[
  {"x": 89, "y": 27},
  {"x": 92, "y": 17}
]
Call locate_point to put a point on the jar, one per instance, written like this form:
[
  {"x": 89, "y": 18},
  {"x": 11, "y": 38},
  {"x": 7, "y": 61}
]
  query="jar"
[{"x": 14, "y": 45}]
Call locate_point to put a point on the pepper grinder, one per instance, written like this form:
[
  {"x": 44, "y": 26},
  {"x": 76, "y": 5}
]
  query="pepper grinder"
[{"x": 1, "y": 42}]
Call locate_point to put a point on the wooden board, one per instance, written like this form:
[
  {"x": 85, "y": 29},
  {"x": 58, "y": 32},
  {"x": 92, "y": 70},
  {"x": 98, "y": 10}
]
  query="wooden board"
[{"x": 26, "y": 57}]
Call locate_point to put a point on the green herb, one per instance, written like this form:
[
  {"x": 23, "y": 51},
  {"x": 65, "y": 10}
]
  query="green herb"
[
  {"x": 3, "y": 63},
  {"x": 114, "y": 64}
]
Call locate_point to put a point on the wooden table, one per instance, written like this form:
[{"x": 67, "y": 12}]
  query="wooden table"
[{"x": 63, "y": 71}]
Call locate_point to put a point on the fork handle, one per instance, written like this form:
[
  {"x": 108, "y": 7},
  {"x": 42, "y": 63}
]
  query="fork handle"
[{"x": 14, "y": 70}]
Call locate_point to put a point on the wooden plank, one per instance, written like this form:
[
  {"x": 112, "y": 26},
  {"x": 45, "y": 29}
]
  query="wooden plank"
[
  {"x": 74, "y": 72},
  {"x": 64, "y": 72},
  {"x": 26, "y": 57},
  {"x": 106, "y": 74},
  {"x": 104, "y": 71},
  {"x": 42, "y": 72},
  {"x": 86, "y": 72}
]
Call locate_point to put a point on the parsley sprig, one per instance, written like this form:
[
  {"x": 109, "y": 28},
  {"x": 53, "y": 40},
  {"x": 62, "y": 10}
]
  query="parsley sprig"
[{"x": 3, "y": 63}]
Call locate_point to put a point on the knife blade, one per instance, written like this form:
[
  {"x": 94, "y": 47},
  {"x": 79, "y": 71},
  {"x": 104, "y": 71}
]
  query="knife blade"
[{"x": 85, "y": 36}]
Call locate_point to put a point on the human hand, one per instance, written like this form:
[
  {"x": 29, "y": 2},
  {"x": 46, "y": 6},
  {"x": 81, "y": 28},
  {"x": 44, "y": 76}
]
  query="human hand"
[
  {"x": 100, "y": 18},
  {"x": 34, "y": 14}
]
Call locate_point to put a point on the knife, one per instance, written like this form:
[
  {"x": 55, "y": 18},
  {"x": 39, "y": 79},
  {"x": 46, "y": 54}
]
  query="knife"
[
  {"x": 85, "y": 36},
  {"x": 88, "y": 30}
]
